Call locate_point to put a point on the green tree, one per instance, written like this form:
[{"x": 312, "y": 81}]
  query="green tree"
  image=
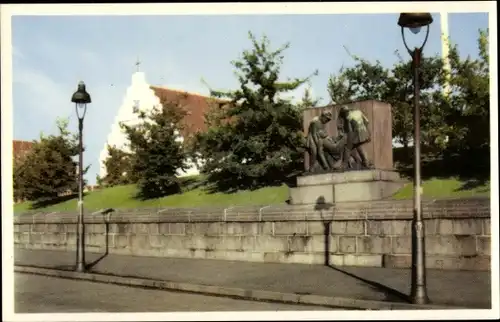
[
  {"x": 307, "y": 100},
  {"x": 468, "y": 107},
  {"x": 258, "y": 138},
  {"x": 157, "y": 152},
  {"x": 372, "y": 81},
  {"x": 49, "y": 169},
  {"x": 118, "y": 168}
]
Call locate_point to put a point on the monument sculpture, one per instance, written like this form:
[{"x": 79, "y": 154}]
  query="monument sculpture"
[
  {"x": 326, "y": 152},
  {"x": 349, "y": 154}
]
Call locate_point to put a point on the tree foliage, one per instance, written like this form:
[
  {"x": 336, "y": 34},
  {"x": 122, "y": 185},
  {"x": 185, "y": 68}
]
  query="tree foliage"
[
  {"x": 48, "y": 169},
  {"x": 457, "y": 123},
  {"x": 119, "y": 169},
  {"x": 255, "y": 140},
  {"x": 156, "y": 151}
]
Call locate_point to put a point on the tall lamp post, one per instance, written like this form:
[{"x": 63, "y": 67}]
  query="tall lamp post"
[
  {"x": 415, "y": 22},
  {"x": 81, "y": 98}
]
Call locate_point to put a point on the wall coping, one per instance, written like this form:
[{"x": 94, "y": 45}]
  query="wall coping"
[{"x": 373, "y": 210}]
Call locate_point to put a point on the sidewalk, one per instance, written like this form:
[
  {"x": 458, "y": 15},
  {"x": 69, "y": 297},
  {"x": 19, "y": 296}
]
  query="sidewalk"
[{"x": 456, "y": 288}]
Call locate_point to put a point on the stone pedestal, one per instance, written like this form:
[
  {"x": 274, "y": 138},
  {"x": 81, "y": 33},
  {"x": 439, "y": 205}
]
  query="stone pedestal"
[{"x": 347, "y": 186}]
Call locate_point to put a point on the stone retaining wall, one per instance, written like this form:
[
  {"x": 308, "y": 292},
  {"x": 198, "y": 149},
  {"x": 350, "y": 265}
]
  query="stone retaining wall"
[{"x": 376, "y": 234}]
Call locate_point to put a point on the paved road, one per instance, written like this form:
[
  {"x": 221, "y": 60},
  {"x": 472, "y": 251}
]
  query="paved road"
[{"x": 41, "y": 294}]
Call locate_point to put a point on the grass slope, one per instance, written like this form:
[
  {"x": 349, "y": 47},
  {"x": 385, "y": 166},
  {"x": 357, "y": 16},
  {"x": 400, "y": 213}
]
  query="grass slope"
[{"x": 198, "y": 196}]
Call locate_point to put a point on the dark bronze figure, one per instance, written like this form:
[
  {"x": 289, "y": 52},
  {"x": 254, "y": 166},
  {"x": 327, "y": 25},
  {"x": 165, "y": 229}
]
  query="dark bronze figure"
[
  {"x": 325, "y": 152},
  {"x": 355, "y": 125}
]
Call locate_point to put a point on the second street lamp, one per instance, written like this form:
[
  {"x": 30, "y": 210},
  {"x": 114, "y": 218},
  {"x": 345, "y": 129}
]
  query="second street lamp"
[
  {"x": 81, "y": 98},
  {"x": 415, "y": 22}
]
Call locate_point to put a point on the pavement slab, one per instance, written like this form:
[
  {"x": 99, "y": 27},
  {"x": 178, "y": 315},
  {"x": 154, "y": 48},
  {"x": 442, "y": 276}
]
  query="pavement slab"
[{"x": 471, "y": 289}]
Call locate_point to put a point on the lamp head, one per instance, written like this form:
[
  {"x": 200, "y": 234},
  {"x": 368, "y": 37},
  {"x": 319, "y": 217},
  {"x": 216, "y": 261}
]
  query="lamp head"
[
  {"x": 81, "y": 96},
  {"x": 415, "y": 20}
]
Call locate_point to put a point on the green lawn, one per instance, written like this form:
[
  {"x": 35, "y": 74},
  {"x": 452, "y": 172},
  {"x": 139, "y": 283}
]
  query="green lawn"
[
  {"x": 445, "y": 188},
  {"x": 123, "y": 197}
]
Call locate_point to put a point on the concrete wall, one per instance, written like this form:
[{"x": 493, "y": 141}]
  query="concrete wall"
[{"x": 376, "y": 234}]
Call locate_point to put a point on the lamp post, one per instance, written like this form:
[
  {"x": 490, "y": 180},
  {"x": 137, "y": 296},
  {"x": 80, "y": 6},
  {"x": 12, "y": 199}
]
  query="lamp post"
[
  {"x": 81, "y": 98},
  {"x": 415, "y": 22}
]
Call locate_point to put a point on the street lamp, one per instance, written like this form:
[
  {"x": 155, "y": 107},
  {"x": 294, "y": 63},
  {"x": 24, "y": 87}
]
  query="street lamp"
[
  {"x": 81, "y": 98},
  {"x": 415, "y": 22}
]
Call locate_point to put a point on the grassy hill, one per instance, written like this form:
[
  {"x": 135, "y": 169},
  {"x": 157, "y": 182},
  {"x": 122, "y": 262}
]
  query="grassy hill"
[{"x": 197, "y": 195}]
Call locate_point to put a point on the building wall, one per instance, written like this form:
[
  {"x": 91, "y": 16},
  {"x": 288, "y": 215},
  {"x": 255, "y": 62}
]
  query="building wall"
[
  {"x": 372, "y": 234},
  {"x": 139, "y": 95}
]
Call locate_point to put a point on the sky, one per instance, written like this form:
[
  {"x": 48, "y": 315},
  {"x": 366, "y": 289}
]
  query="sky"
[{"x": 52, "y": 53}]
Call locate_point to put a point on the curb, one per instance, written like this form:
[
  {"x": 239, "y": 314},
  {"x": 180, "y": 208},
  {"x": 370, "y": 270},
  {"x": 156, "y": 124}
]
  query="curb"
[{"x": 246, "y": 294}]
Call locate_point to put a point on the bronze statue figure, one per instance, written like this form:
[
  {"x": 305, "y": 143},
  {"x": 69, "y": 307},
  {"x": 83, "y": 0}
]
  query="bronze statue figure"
[
  {"x": 325, "y": 152},
  {"x": 355, "y": 125}
]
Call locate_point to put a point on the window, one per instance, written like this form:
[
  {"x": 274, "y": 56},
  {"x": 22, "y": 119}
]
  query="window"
[{"x": 135, "y": 108}]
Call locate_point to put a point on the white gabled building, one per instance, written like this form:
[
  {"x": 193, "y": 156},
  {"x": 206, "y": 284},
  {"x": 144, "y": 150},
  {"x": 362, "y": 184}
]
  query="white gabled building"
[{"x": 143, "y": 96}]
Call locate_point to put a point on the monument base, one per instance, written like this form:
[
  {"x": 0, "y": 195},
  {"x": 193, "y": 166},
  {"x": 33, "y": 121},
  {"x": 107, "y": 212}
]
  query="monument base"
[{"x": 363, "y": 185}]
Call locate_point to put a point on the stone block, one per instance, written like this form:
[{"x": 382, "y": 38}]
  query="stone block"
[
  {"x": 316, "y": 227},
  {"x": 298, "y": 243},
  {"x": 486, "y": 227},
  {"x": 139, "y": 241},
  {"x": 450, "y": 245},
  {"x": 476, "y": 263},
  {"x": 71, "y": 228},
  {"x": 431, "y": 226},
  {"x": 54, "y": 238},
  {"x": 198, "y": 228},
  {"x": 155, "y": 241},
  {"x": 17, "y": 228},
  {"x": 176, "y": 241},
  {"x": 347, "y": 177},
  {"x": 467, "y": 226},
  {"x": 401, "y": 245},
  {"x": 24, "y": 238},
  {"x": 213, "y": 243},
  {"x": 348, "y": 227},
  {"x": 290, "y": 228},
  {"x": 122, "y": 241},
  {"x": 232, "y": 243},
  {"x": 140, "y": 228},
  {"x": 242, "y": 228},
  {"x": 483, "y": 245},
  {"x": 396, "y": 261},
  {"x": 401, "y": 228},
  {"x": 363, "y": 260},
  {"x": 271, "y": 244},
  {"x": 373, "y": 245},
  {"x": 215, "y": 229},
  {"x": 55, "y": 228},
  {"x": 24, "y": 228},
  {"x": 153, "y": 228},
  {"x": 442, "y": 262},
  {"x": 316, "y": 243},
  {"x": 274, "y": 257},
  {"x": 311, "y": 194},
  {"x": 38, "y": 228},
  {"x": 305, "y": 258},
  {"x": 347, "y": 244},
  {"x": 36, "y": 238},
  {"x": 379, "y": 228},
  {"x": 177, "y": 228},
  {"x": 163, "y": 228},
  {"x": 71, "y": 238},
  {"x": 121, "y": 228},
  {"x": 248, "y": 243},
  {"x": 98, "y": 240}
]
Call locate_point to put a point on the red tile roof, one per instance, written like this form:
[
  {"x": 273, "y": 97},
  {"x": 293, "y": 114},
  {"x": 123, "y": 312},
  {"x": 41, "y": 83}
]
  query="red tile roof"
[
  {"x": 195, "y": 105},
  {"x": 20, "y": 148}
]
